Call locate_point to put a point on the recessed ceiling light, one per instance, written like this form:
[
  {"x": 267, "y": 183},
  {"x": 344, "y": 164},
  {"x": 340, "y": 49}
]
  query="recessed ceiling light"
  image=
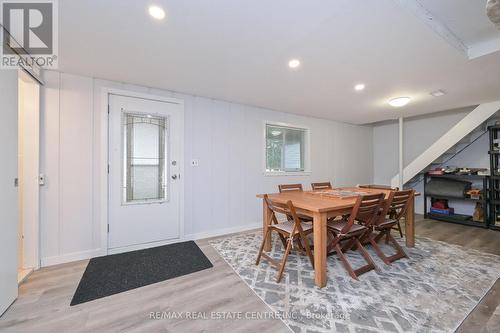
[
  {"x": 157, "y": 12},
  {"x": 438, "y": 93},
  {"x": 399, "y": 101},
  {"x": 294, "y": 63},
  {"x": 359, "y": 87}
]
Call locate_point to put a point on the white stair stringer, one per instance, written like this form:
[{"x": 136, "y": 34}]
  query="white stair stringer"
[{"x": 458, "y": 132}]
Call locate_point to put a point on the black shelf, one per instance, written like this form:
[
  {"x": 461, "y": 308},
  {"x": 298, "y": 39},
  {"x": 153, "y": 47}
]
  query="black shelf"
[
  {"x": 452, "y": 198},
  {"x": 450, "y": 219},
  {"x": 494, "y": 183},
  {"x": 455, "y": 176}
]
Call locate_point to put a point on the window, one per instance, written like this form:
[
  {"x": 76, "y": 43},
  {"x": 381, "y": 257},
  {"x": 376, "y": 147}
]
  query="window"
[
  {"x": 285, "y": 148},
  {"x": 144, "y": 152}
]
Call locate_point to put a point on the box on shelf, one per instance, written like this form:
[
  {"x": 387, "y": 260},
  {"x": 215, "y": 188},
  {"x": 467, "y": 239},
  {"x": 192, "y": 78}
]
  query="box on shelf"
[{"x": 443, "y": 211}]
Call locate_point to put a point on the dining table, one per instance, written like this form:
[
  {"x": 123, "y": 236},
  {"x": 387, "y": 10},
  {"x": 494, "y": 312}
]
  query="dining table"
[{"x": 321, "y": 206}]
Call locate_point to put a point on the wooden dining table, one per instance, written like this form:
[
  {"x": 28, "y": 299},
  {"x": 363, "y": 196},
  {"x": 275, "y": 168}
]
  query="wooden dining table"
[{"x": 321, "y": 207}]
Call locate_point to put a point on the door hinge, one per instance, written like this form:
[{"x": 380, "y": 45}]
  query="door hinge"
[
  {"x": 108, "y": 108},
  {"x": 108, "y": 168},
  {"x": 108, "y": 228}
]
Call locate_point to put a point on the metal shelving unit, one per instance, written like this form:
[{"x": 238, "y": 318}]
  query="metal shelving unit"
[
  {"x": 458, "y": 218},
  {"x": 494, "y": 222}
]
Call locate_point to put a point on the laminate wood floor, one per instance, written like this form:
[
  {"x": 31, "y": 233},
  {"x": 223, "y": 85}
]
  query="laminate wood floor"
[{"x": 43, "y": 303}]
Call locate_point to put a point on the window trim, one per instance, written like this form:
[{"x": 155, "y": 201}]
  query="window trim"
[{"x": 307, "y": 150}]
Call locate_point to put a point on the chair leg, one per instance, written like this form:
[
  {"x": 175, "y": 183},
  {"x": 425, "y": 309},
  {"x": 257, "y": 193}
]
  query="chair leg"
[
  {"x": 283, "y": 262},
  {"x": 371, "y": 264},
  {"x": 379, "y": 252},
  {"x": 400, "y": 253},
  {"x": 308, "y": 251},
  {"x": 346, "y": 263},
  {"x": 262, "y": 247},
  {"x": 399, "y": 228}
]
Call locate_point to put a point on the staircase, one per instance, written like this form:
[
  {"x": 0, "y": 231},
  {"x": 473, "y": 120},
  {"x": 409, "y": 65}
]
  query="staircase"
[{"x": 459, "y": 137}]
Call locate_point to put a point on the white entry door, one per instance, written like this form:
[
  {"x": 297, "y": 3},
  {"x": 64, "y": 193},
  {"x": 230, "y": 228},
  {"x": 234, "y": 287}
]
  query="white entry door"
[{"x": 145, "y": 152}]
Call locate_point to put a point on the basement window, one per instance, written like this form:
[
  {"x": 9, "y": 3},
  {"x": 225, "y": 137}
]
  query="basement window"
[{"x": 286, "y": 149}]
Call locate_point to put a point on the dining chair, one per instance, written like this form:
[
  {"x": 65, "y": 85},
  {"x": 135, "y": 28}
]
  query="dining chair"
[
  {"x": 321, "y": 186},
  {"x": 286, "y": 188},
  {"x": 398, "y": 201},
  {"x": 290, "y": 233},
  {"x": 366, "y": 209},
  {"x": 391, "y": 213},
  {"x": 290, "y": 188}
]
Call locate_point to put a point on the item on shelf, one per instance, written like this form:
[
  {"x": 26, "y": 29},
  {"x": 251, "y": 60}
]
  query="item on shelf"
[
  {"x": 496, "y": 144},
  {"x": 478, "y": 215},
  {"x": 447, "y": 211},
  {"x": 443, "y": 187},
  {"x": 474, "y": 193},
  {"x": 436, "y": 172},
  {"x": 439, "y": 203},
  {"x": 464, "y": 171},
  {"x": 450, "y": 170},
  {"x": 483, "y": 172}
]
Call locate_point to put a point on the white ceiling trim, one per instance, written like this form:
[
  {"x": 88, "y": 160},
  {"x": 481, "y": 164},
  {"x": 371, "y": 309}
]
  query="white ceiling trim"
[{"x": 415, "y": 7}]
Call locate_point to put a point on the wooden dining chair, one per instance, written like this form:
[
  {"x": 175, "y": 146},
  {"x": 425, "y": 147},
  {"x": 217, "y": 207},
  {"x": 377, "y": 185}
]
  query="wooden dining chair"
[
  {"x": 285, "y": 188},
  {"x": 290, "y": 188},
  {"x": 321, "y": 186},
  {"x": 290, "y": 233},
  {"x": 347, "y": 234},
  {"x": 398, "y": 201},
  {"x": 391, "y": 213}
]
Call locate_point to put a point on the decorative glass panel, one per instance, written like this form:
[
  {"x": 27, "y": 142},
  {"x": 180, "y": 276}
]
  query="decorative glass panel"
[
  {"x": 144, "y": 162},
  {"x": 285, "y": 148}
]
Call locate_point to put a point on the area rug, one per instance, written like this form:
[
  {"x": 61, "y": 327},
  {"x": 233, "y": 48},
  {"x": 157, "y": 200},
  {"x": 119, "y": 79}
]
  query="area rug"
[
  {"x": 113, "y": 274},
  {"x": 432, "y": 291}
]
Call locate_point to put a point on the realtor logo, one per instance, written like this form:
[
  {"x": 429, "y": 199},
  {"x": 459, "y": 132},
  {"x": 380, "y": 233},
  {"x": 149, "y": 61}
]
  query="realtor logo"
[{"x": 29, "y": 33}]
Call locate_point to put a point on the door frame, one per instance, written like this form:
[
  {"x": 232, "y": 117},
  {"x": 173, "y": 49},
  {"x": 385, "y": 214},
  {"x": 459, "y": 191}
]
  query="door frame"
[{"x": 104, "y": 160}]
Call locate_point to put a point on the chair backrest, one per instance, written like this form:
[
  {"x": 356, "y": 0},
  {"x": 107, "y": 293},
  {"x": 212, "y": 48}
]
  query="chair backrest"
[
  {"x": 287, "y": 209},
  {"x": 379, "y": 187},
  {"x": 290, "y": 188},
  {"x": 366, "y": 209},
  {"x": 321, "y": 186},
  {"x": 400, "y": 202}
]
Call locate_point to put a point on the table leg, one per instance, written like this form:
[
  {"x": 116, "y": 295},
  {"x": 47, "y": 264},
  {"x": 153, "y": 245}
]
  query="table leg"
[
  {"x": 266, "y": 220},
  {"x": 410, "y": 224},
  {"x": 320, "y": 243}
]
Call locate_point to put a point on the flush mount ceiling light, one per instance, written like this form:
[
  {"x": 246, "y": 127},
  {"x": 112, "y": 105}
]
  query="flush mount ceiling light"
[
  {"x": 359, "y": 87},
  {"x": 294, "y": 63},
  {"x": 399, "y": 101},
  {"x": 157, "y": 12},
  {"x": 438, "y": 93}
]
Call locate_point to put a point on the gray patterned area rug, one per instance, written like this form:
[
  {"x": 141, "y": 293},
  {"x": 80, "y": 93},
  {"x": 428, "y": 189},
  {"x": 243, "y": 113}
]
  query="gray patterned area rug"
[{"x": 432, "y": 291}]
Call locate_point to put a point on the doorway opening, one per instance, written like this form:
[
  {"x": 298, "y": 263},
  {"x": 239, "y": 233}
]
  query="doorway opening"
[{"x": 28, "y": 180}]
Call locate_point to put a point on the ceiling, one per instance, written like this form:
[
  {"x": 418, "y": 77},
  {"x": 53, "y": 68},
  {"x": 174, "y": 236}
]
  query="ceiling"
[{"x": 238, "y": 51}]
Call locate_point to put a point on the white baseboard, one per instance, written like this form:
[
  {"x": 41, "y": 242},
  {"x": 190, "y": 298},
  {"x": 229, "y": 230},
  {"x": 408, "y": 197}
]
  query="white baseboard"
[
  {"x": 69, "y": 257},
  {"x": 83, "y": 255},
  {"x": 223, "y": 231}
]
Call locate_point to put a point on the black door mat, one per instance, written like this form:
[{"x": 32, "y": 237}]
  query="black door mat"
[{"x": 113, "y": 274}]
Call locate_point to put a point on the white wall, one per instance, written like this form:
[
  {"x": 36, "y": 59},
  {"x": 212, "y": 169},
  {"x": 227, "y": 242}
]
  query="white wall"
[
  {"x": 227, "y": 138},
  {"x": 419, "y": 134},
  {"x": 8, "y": 193}
]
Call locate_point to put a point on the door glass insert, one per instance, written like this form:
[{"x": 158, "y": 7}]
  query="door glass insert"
[{"x": 144, "y": 158}]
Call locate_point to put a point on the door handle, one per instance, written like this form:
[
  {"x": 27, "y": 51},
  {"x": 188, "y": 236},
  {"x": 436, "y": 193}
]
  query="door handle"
[{"x": 174, "y": 177}]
